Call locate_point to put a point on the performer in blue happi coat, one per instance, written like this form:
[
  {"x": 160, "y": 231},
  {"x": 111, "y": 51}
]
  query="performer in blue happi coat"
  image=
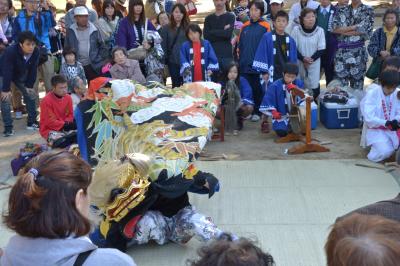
[
  {"x": 277, "y": 99},
  {"x": 276, "y": 48}
]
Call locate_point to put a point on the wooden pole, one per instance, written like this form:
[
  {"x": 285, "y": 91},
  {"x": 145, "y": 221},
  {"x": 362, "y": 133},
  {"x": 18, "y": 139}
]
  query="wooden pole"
[
  {"x": 308, "y": 120},
  {"x": 308, "y": 146}
]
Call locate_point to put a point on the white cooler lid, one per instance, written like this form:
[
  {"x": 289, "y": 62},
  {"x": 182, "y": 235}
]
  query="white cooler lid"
[{"x": 352, "y": 103}]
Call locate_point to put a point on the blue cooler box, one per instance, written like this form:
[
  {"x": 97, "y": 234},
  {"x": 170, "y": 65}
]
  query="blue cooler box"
[
  {"x": 334, "y": 115},
  {"x": 314, "y": 113}
]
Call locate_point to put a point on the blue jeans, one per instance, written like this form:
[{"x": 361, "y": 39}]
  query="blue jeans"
[
  {"x": 6, "y": 114},
  {"x": 5, "y": 107},
  {"x": 29, "y": 102}
]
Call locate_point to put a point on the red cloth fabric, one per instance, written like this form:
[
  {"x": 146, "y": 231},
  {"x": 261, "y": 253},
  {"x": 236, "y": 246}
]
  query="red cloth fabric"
[
  {"x": 291, "y": 86},
  {"x": 54, "y": 112},
  {"x": 95, "y": 85},
  {"x": 276, "y": 115},
  {"x": 198, "y": 75}
]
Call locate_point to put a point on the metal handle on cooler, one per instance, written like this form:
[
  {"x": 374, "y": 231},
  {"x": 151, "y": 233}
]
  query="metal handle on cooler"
[{"x": 341, "y": 111}]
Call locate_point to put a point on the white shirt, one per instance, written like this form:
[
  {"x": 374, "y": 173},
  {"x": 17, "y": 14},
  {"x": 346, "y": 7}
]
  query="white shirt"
[{"x": 327, "y": 9}]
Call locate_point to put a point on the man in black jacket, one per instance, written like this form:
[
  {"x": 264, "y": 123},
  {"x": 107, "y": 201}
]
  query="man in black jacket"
[
  {"x": 218, "y": 28},
  {"x": 19, "y": 65}
]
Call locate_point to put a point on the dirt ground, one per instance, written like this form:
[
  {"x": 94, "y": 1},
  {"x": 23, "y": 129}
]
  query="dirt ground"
[{"x": 251, "y": 144}]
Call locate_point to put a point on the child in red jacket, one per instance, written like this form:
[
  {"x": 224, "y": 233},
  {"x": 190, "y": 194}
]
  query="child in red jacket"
[{"x": 56, "y": 112}]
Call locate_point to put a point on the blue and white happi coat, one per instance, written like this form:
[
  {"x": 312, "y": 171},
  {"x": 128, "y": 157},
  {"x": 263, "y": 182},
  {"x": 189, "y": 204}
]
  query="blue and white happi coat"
[
  {"x": 246, "y": 93},
  {"x": 209, "y": 60},
  {"x": 264, "y": 58},
  {"x": 277, "y": 98}
]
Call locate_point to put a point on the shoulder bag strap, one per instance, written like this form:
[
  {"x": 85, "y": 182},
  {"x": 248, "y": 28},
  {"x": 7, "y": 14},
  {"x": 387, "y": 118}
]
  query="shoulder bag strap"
[
  {"x": 145, "y": 29},
  {"x": 175, "y": 38},
  {"x": 80, "y": 260}
]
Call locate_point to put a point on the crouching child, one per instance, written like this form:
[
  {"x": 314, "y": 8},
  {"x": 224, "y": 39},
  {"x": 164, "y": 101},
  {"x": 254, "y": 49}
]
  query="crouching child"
[{"x": 277, "y": 99}]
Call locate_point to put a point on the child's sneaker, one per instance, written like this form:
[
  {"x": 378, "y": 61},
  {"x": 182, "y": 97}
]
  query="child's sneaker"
[
  {"x": 8, "y": 133},
  {"x": 33, "y": 126},
  {"x": 236, "y": 132},
  {"x": 18, "y": 115}
]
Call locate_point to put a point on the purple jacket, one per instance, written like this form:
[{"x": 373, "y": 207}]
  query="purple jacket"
[{"x": 126, "y": 36}]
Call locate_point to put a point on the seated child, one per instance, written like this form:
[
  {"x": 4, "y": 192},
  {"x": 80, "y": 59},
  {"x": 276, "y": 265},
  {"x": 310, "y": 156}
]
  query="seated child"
[
  {"x": 125, "y": 68},
  {"x": 198, "y": 59},
  {"x": 277, "y": 99},
  {"x": 381, "y": 111},
  {"x": 56, "y": 113},
  {"x": 79, "y": 90},
  {"x": 242, "y": 11},
  {"x": 237, "y": 100},
  {"x": 71, "y": 68}
]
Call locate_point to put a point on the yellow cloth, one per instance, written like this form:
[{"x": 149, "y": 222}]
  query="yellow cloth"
[{"x": 389, "y": 37}]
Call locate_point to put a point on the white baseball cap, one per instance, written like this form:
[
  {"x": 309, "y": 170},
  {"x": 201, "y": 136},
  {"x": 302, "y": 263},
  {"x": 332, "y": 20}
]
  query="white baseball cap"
[
  {"x": 81, "y": 11},
  {"x": 276, "y": 2}
]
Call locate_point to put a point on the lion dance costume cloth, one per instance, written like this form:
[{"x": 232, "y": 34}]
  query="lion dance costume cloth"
[{"x": 144, "y": 141}]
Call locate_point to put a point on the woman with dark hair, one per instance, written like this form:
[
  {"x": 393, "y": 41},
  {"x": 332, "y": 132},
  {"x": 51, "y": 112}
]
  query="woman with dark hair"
[
  {"x": 173, "y": 36},
  {"x": 6, "y": 23},
  {"x": 385, "y": 41},
  {"x": 131, "y": 29},
  {"x": 226, "y": 252},
  {"x": 310, "y": 43},
  {"x": 162, "y": 20},
  {"x": 97, "y": 6},
  {"x": 108, "y": 23},
  {"x": 48, "y": 208}
]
